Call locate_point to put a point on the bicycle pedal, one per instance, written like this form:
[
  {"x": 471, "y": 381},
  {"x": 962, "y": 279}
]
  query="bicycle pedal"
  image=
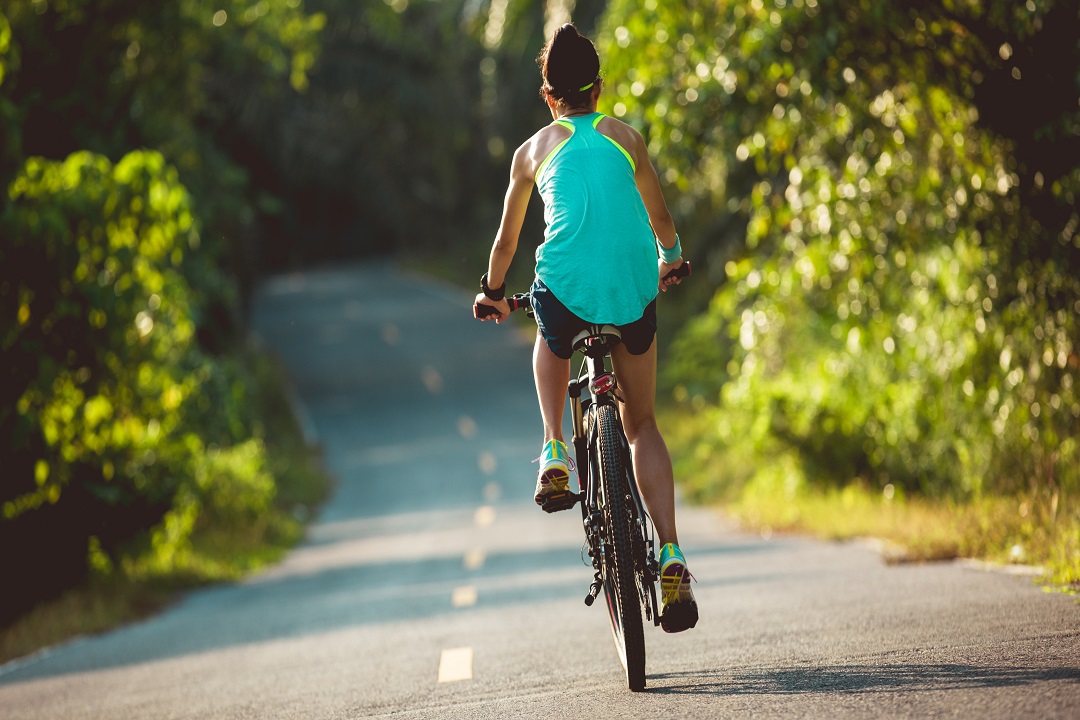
[
  {"x": 557, "y": 501},
  {"x": 679, "y": 616}
]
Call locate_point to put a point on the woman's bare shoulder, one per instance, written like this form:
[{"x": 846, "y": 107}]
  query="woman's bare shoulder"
[
  {"x": 619, "y": 131},
  {"x": 535, "y": 150}
]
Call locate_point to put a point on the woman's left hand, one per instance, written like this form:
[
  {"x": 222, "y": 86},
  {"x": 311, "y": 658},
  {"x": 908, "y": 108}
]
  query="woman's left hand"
[{"x": 502, "y": 306}]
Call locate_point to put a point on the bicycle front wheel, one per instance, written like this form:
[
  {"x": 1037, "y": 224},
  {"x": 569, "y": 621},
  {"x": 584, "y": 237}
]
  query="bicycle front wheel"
[{"x": 620, "y": 589}]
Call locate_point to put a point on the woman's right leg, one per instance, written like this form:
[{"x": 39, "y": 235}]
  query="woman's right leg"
[
  {"x": 652, "y": 467},
  {"x": 652, "y": 463}
]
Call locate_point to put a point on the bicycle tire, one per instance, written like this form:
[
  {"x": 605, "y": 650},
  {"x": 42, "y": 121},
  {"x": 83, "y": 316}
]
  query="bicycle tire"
[{"x": 620, "y": 586}]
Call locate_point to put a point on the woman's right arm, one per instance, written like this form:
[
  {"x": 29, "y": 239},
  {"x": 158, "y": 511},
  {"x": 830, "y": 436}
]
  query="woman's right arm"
[{"x": 648, "y": 184}]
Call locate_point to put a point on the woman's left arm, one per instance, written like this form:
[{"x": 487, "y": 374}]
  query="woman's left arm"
[{"x": 515, "y": 204}]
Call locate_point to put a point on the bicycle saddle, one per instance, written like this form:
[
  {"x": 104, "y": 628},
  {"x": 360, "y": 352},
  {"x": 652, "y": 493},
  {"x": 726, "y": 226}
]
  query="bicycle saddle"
[{"x": 597, "y": 340}]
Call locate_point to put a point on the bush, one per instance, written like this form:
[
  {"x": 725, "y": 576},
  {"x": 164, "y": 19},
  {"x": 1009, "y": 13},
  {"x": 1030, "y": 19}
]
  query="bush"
[{"x": 112, "y": 412}]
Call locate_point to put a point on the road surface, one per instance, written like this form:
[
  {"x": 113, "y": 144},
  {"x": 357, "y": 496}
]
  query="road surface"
[{"x": 431, "y": 586}]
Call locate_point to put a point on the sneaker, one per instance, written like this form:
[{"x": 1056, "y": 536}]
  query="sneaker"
[
  {"x": 555, "y": 467},
  {"x": 678, "y": 609}
]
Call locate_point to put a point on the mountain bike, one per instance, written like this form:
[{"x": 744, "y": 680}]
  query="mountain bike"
[{"x": 619, "y": 534}]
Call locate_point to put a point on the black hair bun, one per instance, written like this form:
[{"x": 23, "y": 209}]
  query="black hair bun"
[{"x": 570, "y": 62}]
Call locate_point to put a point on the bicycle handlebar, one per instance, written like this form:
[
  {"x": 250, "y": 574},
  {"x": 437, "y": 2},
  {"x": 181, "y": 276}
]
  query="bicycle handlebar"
[{"x": 524, "y": 300}]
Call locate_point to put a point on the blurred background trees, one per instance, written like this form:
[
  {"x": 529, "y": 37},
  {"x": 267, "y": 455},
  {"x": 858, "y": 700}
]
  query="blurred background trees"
[{"x": 879, "y": 197}]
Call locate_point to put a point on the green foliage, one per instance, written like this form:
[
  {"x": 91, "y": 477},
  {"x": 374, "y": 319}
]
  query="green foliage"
[
  {"x": 114, "y": 409},
  {"x": 181, "y": 77},
  {"x": 236, "y": 532},
  {"x": 97, "y": 328},
  {"x": 125, "y": 412},
  {"x": 895, "y": 246}
]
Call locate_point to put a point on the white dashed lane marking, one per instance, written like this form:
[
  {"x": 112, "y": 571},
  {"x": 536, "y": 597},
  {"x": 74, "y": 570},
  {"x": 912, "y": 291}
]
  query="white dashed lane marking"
[
  {"x": 487, "y": 463},
  {"x": 455, "y": 664},
  {"x": 432, "y": 379},
  {"x": 485, "y": 516},
  {"x": 391, "y": 335},
  {"x": 474, "y": 559},
  {"x": 464, "y": 596},
  {"x": 466, "y": 427}
]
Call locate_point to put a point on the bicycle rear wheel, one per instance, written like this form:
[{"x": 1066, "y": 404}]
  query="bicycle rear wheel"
[{"x": 620, "y": 588}]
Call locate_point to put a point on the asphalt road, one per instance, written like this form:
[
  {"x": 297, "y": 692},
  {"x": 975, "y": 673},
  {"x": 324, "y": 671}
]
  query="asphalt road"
[{"x": 432, "y": 587}]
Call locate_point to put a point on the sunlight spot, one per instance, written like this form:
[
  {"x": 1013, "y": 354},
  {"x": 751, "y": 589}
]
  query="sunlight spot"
[{"x": 144, "y": 323}]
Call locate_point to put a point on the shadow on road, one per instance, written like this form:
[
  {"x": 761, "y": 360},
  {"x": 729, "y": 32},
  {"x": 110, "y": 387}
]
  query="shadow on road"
[{"x": 857, "y": 679}]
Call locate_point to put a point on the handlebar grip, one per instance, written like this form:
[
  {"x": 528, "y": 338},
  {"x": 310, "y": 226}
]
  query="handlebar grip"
[
  {"x": 682, "y": 271},
  {"x": 516, "y": 302}
]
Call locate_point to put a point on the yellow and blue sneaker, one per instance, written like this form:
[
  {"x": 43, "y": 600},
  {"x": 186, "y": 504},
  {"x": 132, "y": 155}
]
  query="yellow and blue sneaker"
[
  {"x": 554, "y": 476},
  {"x": 678, "y": 609}
]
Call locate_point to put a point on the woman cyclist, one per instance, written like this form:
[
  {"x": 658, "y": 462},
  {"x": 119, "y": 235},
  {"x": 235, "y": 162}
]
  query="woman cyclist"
[{"x": 607, "y": 222}]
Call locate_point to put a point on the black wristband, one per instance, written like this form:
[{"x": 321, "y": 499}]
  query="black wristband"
[{"x": 495, "y": 294}]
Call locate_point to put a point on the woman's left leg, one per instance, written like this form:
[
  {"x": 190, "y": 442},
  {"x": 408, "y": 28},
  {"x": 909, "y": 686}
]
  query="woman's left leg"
[{"x": 552, "y": 374}]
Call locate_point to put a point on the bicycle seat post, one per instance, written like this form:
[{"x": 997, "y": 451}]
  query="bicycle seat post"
[{"x": 596, "y": 342}]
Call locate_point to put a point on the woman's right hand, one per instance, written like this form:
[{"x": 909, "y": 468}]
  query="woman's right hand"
[{"x": 665, "y": 269}]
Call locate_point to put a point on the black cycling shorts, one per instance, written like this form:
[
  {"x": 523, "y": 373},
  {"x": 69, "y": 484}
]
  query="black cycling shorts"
[{"x": 558, "y": 325}]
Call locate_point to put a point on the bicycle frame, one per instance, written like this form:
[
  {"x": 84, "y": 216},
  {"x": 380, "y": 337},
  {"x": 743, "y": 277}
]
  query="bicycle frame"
[{"x": 619, "y": 534}]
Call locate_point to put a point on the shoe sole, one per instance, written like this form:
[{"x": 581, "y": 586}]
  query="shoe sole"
[
  {"x": 557, "y": 482},
  {"x": 679, "y": 613},
  {"x": 672, "y": 578}
]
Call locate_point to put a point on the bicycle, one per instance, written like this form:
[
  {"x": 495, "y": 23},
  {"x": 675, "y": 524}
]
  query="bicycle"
[{"x": 618, "y": 531}]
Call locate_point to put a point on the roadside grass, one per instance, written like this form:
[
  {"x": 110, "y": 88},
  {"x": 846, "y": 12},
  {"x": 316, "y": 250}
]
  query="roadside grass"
[
  {"x": 139, "y": 585},
  {"x": 1038, "y": 530}
]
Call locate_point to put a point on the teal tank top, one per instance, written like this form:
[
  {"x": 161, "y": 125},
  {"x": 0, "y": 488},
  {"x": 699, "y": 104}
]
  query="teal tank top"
[{"x": 599, "y": 253}]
